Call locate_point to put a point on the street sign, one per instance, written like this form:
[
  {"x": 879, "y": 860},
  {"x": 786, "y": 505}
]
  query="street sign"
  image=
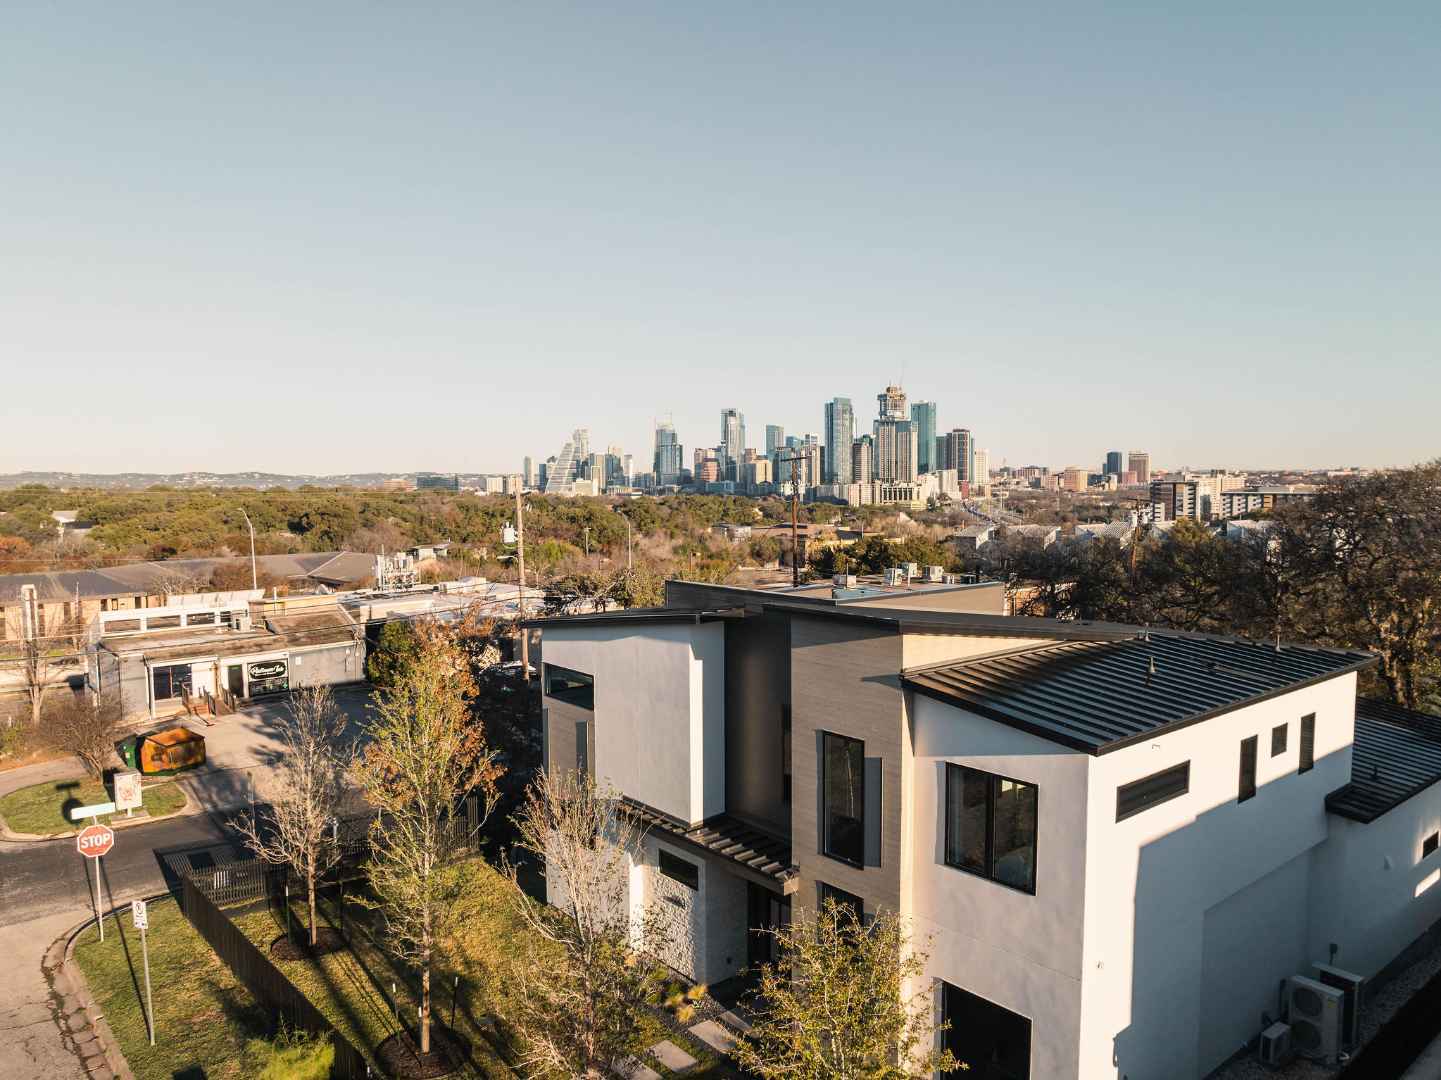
[
  {"x": 126, "y": 786},
  {"x": 140, "y": 915},
  {"x": 80, "y": 813},
  {"x": 94, "y": 841}
]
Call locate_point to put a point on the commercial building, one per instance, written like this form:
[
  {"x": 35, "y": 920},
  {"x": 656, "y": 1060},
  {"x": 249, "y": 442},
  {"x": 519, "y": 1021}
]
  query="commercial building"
[
  {"x": 560, "y": 478},
  {"x": 923, "y": 419},
  {"x": 840, "y": 429},
  {"x": 1114, "y": 465},
  {"x": 437, "y": 482},
  {"x": 960, "y": 454},
  {"x": 1075, "y": 479},
  {"x": 863, "y": 462},
  {"x": 669, "y": 456},
  {"x": 891, "y": 404},
  {"x": 895, "y": 451},
  {"x": 733, "y": 442},
  {"x": 1120, "y": 845},
  {"x": 775, "y": 439},
  {"x": 1235, "y": 503},
  {"x": 1139, "y": 462}
]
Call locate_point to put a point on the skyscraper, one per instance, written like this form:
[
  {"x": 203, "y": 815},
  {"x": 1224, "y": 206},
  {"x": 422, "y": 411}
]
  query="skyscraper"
[
  {"x": 569, "y": 463},
  {"x": 529, "y": 475},
  {"x": 892, "y": 404},
  {"x": 961, "y": 454},
  {"x": 1113, "y": 463},
  {"x": 669, "y": 457},
  {"x": 895, "y": 451},
  {"x": 733, "y": 441},
  {"x": 863, "y": 468},
  {"x": 923, "y": 416},
  {"x": 1140, "y": 462},
  {"x": 840, "y": 431},
  {"x": 775, "y": 438}
]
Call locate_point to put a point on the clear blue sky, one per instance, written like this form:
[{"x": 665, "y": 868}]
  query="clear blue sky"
[{"x": 332, "y": 237}]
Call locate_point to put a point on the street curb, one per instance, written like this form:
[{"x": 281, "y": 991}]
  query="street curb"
[
  {"x": 120, "y": 823},
  {"x": 74, "y": 997}
]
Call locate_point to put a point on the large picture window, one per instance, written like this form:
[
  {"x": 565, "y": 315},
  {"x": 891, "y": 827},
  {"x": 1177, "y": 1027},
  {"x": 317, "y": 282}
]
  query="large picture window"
[
  {"x": 170, "y": 682},
  {"x": 991, "y": 826},
  {"x": 573, "y": 687},
  {"x": 843, "y": 786}
]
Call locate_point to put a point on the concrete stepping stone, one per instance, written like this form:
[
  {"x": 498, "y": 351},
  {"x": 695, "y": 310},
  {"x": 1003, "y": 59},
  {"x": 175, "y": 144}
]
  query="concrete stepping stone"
[
  {"x": 718, "y": 1038},
  {"x": 733, "y": 1019},
  {"x": 635, "y": 1069},
  {"x": 671, "y": 1056}
]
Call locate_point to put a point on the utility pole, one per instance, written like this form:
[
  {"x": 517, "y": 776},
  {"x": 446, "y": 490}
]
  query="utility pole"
[
  {"x": 795, "y": 512},
  {"x": 627, "y": 541},
  {"x": 253, "y": 579},
  {"x": 520, "y": 583}
]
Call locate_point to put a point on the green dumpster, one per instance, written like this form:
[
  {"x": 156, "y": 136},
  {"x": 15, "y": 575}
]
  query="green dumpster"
[{"x": 127, "y": 751}]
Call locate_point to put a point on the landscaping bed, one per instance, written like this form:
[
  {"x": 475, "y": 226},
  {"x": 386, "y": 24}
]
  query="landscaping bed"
[{"x": 43, "y": 809}]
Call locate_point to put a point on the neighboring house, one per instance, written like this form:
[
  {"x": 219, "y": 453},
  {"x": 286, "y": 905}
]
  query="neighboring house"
[
  {"x": 1041, "y": 535},
  {"x": 974, "y": 537},
  {"x": 1120, "y": 843},
  {"x": 1119, "y": 531}
]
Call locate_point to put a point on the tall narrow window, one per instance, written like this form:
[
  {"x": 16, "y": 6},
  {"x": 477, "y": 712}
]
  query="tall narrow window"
[
  {"x": 1278, "y": 739},
  {"x": 786, "y": 754},
  {"x": 1308, "y": 742},
  {"x": 1247, "y": 786},
  {"x": 991, "y": 824},
  {"x": 844, "y": 797}
]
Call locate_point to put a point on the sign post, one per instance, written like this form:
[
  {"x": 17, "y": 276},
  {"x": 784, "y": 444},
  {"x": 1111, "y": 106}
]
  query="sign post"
[
  {"x": 142, "y": 923},
  {"x": 93, "y": 842}
]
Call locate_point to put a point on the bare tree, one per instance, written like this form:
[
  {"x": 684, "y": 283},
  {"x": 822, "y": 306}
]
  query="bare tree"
[
  {"x": 840, "y": 1003},
  {"x": 298, "y": 828},
  {"x": 581, "y": 1007},
  {"x": 86, "y": 728},
  {"x": 38, "y": 661},
  {"x": 426, "y": 753}
]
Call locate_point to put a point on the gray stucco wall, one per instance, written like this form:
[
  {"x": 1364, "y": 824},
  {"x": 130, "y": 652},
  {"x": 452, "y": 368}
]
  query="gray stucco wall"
[{"x": 326, "y": 667}]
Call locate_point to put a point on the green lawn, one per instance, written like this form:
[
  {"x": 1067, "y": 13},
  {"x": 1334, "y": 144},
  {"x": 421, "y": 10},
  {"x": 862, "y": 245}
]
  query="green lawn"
[
  {"x": 43, "y": 808},
  {"x": 353, "y": 988},
  {"x": 203, "y": 1016}
]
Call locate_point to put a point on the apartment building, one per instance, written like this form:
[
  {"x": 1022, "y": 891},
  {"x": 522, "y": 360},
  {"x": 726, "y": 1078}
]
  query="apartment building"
[{"x": 1118, "y": 843}]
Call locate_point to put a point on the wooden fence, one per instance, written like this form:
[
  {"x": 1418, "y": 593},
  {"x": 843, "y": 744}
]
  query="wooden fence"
[{"x": 266, "y": 983}]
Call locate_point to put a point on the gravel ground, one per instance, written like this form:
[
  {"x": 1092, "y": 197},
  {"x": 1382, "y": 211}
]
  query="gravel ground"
[{"x": 1376, "y": 1012}]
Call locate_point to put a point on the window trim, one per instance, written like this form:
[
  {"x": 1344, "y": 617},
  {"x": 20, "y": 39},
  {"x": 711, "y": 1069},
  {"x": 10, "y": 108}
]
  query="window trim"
[
  {"x": 1246, "y": 784},
  {"x": 825, "y": 813},
  {"x": 1184, "y": 768},
  {"x": 1308, "y": 743},
  {"x": 993, "y": 782},
  {"x": 547, "y": 670}
]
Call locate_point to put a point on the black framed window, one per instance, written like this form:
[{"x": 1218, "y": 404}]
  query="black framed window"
[
  {"x": 573, "y": 687},
  {"x": 1246, "y": 787},
  {"x": 786, "y": 754},
  {"x": 840, "y": 898},
  {"x": 1278, "y": 739},
  {"x": 990, "y": 1042},
  {"x": 170, "y": 682},
  {"x": 1152, "y": 790},
  {"x": 991, "y": 824},
  {"x": 678, "y": 869},
  {"x": 1428, "y": 846},
  {"x": 843, "y": 795},
  {"x": 1308, "y": 743}
]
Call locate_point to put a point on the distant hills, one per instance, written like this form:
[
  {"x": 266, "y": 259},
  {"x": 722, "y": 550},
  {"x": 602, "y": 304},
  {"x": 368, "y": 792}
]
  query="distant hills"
[{"x": 202, "y": 480}]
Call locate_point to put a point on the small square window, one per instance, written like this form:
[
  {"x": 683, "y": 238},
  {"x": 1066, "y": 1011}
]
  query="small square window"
[
  {"x": 1278, "y": 739},
  {"x": 1429, "y": 844},
  {"x": 678, "y": 869}
]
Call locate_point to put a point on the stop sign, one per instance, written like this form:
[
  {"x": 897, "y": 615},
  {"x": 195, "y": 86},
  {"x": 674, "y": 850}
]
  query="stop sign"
[{"x": 94, "y": 841}]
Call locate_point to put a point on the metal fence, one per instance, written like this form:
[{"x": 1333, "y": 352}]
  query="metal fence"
[{"x": 266, "y": 983}]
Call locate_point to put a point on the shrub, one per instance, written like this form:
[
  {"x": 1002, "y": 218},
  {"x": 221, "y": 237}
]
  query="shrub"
[
  {"x": 292, "y": 1055},
  {"x": 696, "y": 992}
]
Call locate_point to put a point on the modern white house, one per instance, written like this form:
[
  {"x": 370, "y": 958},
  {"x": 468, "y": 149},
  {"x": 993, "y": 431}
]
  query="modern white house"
[{"x": 1121, "y": 846}]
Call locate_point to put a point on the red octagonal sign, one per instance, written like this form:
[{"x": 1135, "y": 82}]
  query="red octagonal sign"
[{"x": 94, "y": 841}]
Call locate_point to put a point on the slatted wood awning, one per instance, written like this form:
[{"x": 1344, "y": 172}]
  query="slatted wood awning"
[{"x": 751, "y": 853}]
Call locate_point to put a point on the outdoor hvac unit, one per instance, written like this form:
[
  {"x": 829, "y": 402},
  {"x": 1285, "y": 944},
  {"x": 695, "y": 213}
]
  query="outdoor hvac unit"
[
  {"x": 844, "y": 581},
  {"x": 1275, "y": 1046},
  {"x": 1350, "y": 984},
  {"x": 935, "y": 573},
  {"x": 913, "y": 571},
  {"x": 895, "y": 576},
  {"x": 1315, "y": 1012}
]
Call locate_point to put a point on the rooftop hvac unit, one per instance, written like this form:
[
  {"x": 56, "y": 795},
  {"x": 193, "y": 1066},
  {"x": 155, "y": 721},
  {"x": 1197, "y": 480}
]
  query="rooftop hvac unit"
[
  {"x": 1350, "y": 984},
  {"x": 1275, "y": 1047},
  {"x": 895, "y": 576},
  {"x": 1314, "y": 1012},
  {"x": 913, "y": 571},
  {"x": 935, "y": 573},
  {"x": 952, "y": 579},
  {"x": 844, "y": 581}
]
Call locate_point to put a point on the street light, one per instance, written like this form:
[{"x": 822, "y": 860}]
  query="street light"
[{"x": 254, "y": 581}]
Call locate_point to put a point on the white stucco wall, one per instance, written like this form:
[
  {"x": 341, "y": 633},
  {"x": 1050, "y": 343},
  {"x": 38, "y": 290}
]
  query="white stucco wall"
[
  {"x": 1020, "y": 951},
  {"x": 659, "y": 719},
  {"x": 1152, "y": 879},
  {"x": 1373, "y": 893}
]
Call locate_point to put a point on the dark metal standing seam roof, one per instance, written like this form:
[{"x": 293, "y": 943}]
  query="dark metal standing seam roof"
[
  {"x": 1100, "y": 696},
  {"x": 1397, "y": 754}
]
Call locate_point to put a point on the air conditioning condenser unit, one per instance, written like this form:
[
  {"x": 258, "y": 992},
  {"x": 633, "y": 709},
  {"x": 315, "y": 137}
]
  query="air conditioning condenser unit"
[
  {"x": 1350, "y": 984},
  {"x": 1315, "y": 1012},
  {"x": 1275, "y": 1047}
]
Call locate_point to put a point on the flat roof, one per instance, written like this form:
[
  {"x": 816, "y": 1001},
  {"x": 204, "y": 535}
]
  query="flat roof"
[
  {"x": 1100, "y": 696},
  {"x": 1396, "y": 754},
  {"x": 635, "y": 615}
]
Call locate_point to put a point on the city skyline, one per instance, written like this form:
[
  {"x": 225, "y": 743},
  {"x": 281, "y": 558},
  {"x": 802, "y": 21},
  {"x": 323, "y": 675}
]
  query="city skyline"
[{"x": 1209, "y": 235}]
